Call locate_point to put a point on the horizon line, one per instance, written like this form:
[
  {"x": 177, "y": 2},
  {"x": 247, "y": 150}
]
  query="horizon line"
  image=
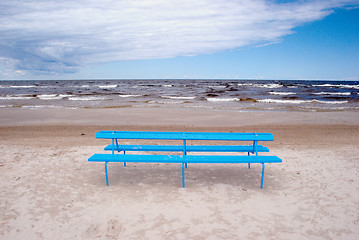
[{"x": 199, "y": 79}]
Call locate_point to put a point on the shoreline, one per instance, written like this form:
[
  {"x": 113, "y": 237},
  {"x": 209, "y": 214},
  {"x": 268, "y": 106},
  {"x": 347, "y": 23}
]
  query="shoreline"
[{"x": 169, "y": 116}]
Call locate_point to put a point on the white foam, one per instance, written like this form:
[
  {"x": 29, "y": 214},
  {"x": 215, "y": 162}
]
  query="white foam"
[
  {"x": 87, "y": 98},
  {"x": 299, "y": 101},
  {"x": 333, "y": 93},
  {"x": 165, "y": 102},
  {"x": 222, "y": 99},
  {"x": 52, "y": 96},
  {"x": 245, "y": 84},
  {"x": 16, "y": 97},
  {"x": 337, "y": 85},
  {"x": 30, "y": 86},
  {"x": 217, "y": 86},
  {"x": 282, "y": 101},
  {"x": 282, "y": 93},
  {"x": 65, "y": 95},
  {"x": 330, "y": 102},
  {"x": 273, "y": 85},
  {"x": 167, "y": 85},
  {"x": 126, "y": 96},
  {"x": 47, "y": 96},
  {"x": 44, "y": 106},
  {"x": 107, "y": 86},
  {"x": 178, "y": 98},
  {"x": 24, "y": 86}
]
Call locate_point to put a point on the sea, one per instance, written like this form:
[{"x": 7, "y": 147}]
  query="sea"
[{"x": 232, "y": 95}]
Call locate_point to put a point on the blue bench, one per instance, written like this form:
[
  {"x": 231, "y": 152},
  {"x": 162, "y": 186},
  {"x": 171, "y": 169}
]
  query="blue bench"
[{"x": 184, "y": 159}]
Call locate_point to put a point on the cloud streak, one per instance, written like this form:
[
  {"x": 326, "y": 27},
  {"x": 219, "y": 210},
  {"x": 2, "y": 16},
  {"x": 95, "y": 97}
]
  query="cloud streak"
[{"x": 42, "y": 37}]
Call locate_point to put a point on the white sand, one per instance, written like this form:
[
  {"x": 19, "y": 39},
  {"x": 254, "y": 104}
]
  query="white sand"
[{"x": 48, "y": 190}]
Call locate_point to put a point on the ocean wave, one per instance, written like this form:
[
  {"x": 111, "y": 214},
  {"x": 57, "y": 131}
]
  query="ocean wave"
[
  {"x": 28, "y": 86},
  {"x": 282, "y": 93},
  {"x": 129, "y": 95},
  {"x": 222, "y": 99},
  {"x": 88, "y": 98},
  {"x": 36, "y": 106},
  {"x": 107, "y": 86},
  {"x": 330, "y": 102},
  {"x": 333, "y": 93},
  {"x": 337, "y": 86},
  {"x": 23, "y": 86},
  {"x": 218, "y": 86},
  {"x": 178, "y": 98},
  {"x": 165, "y": 102},
  {"x": 146, "y": 85},
  {"x": 272, "y": 85},
  {"x": 46, "y": 106},
  {"x": 167, "y": 85},
  {"x": 282, "y": 101},
  {"x": 17, "y": 97},
  {"x": 52, "y": 96},
  {"x": 244, "y": 84},
  {"x": 81, "y": 86},
  {"x": 299, "y": 101}
]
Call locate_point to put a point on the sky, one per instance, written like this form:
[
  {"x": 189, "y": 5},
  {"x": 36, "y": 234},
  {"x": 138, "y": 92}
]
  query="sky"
[{"x": 179, "y": 39}]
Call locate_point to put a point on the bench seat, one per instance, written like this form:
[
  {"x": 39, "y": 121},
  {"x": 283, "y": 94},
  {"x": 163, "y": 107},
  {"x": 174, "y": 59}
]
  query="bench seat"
[
  {"x": 103, "y": 157},
  {"x": 189, "y": 148},
  {"x": 184, "y": 159}
]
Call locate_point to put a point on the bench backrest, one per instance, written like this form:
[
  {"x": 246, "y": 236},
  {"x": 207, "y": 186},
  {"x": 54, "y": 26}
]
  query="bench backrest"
[{"x": 185, "y": 135}]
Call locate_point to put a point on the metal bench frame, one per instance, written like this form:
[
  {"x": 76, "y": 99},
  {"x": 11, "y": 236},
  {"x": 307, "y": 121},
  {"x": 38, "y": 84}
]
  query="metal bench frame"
[{"x": 184, "y": 159}]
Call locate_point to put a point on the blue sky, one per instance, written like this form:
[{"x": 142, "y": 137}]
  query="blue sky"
[{"x": 206, "y": 39}]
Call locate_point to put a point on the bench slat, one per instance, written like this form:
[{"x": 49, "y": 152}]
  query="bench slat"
[
  {"x": 99, "y": 157},
  {"x": 185, "y": 136},
  {"x": 189, "y": 148},
  {"x": 229, "y": 136},
  {"x": 232, "y": 159},
  {"x": 182, "y": 158},
  {"x": 140, "y": 135}
]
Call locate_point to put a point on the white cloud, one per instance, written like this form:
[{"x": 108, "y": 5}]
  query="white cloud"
[{"x": 61, "y": 36}]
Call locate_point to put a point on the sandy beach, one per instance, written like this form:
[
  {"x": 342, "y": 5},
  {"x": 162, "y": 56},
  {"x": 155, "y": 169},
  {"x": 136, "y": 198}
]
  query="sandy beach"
[{"x": 49, "y": 190}]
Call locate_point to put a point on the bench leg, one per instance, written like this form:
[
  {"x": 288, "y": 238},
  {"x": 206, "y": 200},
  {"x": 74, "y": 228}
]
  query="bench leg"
[
  {"x": 262, "y": 175},
  {"x": 183, "y": 175},
  {"x": 124, "y": 163},
  {"x": 106, "y": 173},
  {"x": 249, "y": 165}
]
